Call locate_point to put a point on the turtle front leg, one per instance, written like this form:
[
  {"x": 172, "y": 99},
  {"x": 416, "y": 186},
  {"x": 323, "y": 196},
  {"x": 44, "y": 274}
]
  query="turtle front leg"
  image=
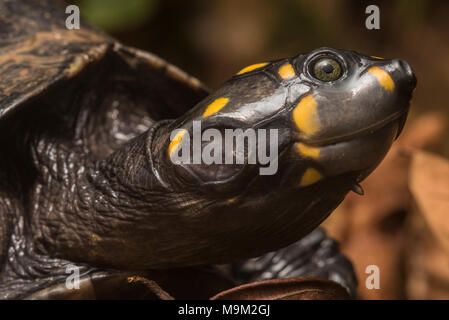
[{"x": 314, "y": 256}]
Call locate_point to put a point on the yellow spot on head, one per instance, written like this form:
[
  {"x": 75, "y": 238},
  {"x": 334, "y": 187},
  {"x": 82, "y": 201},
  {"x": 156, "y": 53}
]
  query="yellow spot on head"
[
  {"x": 252, "y": 67},
  {"x": 309, "y": 177},
  {"x": 305, "y": 115},
  {"x": 383, "y": 77},
  {"x": 308, "y": 151},
  {"x": 215, "y": 106},
  {"x": 176, "y": 141},
  {"x": 380, "y": 58},
  {"x": 286, "y": 71}
]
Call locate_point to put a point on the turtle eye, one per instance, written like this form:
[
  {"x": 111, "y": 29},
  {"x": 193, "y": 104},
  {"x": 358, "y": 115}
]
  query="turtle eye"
[{"x": 326, "y": 69}]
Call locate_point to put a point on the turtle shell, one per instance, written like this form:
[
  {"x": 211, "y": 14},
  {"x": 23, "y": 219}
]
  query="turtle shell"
[{"x": 37, "y": 51}]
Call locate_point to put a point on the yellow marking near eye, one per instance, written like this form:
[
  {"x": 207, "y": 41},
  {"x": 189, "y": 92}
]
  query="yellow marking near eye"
[
  {"x": 176, "y": 141},
  {"x": 383, "y": 77},
  {"x": 308, "y": 151},
  {"x": 309, "y": 177},
  {"x": 215, "y": 106},
  {"x": 377, "y": 57},
  {"x": 252, "y": 67},
  {"x": 305, "y": 115},
  {"x": 286, "y": 71}
]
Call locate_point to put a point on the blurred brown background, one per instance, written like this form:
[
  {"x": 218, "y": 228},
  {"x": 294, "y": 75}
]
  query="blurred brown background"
[{"x": 393, "y": 226}]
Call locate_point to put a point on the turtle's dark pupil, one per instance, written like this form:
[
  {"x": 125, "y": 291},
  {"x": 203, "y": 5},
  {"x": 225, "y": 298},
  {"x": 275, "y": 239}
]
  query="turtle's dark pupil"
[{"x": 328, "y": 68}]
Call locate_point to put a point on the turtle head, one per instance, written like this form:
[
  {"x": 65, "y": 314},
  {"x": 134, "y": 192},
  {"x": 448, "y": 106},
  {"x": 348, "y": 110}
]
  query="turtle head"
[{"x": 315, "y": 116}]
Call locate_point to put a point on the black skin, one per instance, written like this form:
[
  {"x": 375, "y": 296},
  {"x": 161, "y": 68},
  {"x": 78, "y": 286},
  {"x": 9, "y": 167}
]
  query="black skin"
[{"x": 85, "y": 176}]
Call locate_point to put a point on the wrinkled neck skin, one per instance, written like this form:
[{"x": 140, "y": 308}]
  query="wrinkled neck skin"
[
  {"x": 23, "y": 269},
  {"x": 88, "y": 209}
]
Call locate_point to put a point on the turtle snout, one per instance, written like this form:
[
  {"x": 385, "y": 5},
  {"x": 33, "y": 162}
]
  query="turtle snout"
[{"x": 407, "y": 76}]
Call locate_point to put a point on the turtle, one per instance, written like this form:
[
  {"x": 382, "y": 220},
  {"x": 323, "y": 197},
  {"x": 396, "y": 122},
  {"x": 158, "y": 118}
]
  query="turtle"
[{"x": 98, "y": 173}]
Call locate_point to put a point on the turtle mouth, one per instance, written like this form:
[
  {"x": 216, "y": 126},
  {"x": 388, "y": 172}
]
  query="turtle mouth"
[
  {"x": 357, "y": 152},
  {"x": 399, "y": 116}
]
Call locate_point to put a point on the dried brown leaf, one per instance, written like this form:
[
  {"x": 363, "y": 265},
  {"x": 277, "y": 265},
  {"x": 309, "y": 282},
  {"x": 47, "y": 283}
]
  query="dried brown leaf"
[
  {"x": 429, "y": 185},
  {"x": 286, "y": 289}
]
